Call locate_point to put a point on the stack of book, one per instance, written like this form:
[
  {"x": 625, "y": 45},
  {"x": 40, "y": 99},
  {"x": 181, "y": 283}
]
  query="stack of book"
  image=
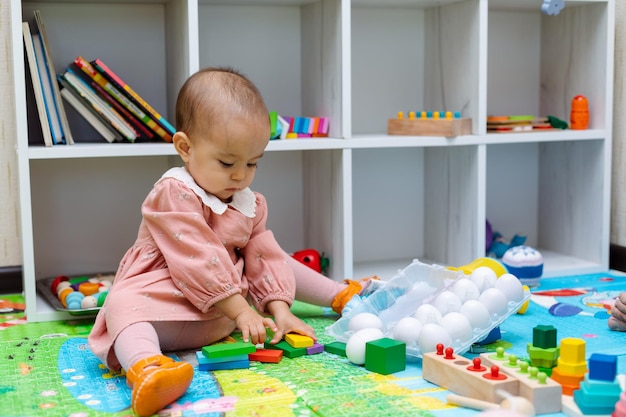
[{"x": 97, "y": 93}]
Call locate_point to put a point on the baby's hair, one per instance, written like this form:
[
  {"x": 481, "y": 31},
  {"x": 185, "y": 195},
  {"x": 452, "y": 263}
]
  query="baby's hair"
[{"x": 213, "y": 92}]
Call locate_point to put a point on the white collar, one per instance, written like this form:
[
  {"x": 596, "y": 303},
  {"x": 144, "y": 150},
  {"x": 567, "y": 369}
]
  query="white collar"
[{"x": 244, "y": 201}]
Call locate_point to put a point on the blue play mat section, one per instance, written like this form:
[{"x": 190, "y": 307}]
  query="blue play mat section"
[{"x": 576, "y": 306}]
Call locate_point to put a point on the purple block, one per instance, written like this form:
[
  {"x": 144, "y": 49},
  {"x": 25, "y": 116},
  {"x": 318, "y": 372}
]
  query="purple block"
[{"x": 316, "y": 348}]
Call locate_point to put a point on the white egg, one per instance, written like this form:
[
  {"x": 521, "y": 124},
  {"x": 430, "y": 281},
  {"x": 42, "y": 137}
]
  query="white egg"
[
  {"x": 428, "y": 313},
  {"x": 355, "y": 348},
  {"x": 476, "y": 313},
  {"x": 431, "y": 335},
  {"x": 365, "y": 321},
  {"x": 62, "y": 285},
  {"x": 484, "y": 277},
  {"x": 407, "y": 330},
  {"x": 446, "y": 302},
  {"x": 511, "y": 287},
  {"x": 495, "y": 301},
  {"x": 458, "y": 326},
  {"x": 89, "y": 302},
  {"x": 465, "y": 289}
]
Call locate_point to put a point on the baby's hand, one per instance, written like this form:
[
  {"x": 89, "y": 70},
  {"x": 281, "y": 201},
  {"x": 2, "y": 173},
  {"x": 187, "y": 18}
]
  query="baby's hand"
[
  {"x": 288, "y": 323},
  {"x": 252, "y": 326},
  {"x": 617, "y": 321}
]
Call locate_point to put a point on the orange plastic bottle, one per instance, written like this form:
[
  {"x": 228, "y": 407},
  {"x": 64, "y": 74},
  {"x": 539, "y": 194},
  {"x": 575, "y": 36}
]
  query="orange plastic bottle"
[{"x": 579, "y": 114}]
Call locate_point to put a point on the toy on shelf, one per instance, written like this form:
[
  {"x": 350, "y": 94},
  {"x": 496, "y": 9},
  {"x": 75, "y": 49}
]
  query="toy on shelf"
[
  {"x": 525, "y": 263},
  {"x": 313, "y": 259},
  {"x": 517, "y": 123},
  {"x": 579, "y": 114},
  {"x": 83, "y": 294},
  {"x": 430, "y": 123},
  {"x": 287, "y": 127},
  {"x": 424, "y": 305},
  {"x": 552, "y": 7}
]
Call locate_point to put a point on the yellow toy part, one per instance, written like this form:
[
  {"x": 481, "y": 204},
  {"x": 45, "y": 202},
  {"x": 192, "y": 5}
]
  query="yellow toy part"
[
  {"x": 496, "y": 266},
  {"x": 524, "y": 306}
]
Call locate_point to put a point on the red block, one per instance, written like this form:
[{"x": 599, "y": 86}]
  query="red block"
[{"x": 266, "y": 355}]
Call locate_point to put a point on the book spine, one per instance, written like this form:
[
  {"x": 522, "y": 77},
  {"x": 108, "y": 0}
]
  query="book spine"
[
  {"x": 100, "y": 127},
  {"x": 105, "y": 109},
  {"x": 83, "y": 64},
  {"x": 116, "y": 80},
  {"x": 145, "y": 132}
]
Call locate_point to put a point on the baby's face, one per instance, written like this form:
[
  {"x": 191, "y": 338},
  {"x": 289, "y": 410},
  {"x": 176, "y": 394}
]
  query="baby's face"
[{"x": 223, "y": 158}]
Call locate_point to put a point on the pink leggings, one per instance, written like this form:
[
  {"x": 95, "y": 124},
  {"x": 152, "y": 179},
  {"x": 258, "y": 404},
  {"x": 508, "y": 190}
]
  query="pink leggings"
[{"x": 144, "y": 339}]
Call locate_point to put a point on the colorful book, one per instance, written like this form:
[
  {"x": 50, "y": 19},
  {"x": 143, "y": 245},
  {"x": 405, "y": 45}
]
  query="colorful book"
[
  {"x": 48, "y": 96},
  {"x": 36, "y": 83},
  {"x": 67, "y": 89},
  {"x": 140, "y": 129},
  {"x": 84, "y": 110},
  {"x": 119, "y": 83},
  {"x": 65, "y": 125},
  {"x": 86, "y": 66},
  {"x": 112, "y": 116}
]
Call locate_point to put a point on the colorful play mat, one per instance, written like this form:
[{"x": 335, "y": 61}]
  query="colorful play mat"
[{"x": 47, "y": 369}]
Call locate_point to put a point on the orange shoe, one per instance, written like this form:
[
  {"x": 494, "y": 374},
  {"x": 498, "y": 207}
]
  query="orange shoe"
[
  {"x": 353, "y": 288},
  {"x": 156, "y": 382}
]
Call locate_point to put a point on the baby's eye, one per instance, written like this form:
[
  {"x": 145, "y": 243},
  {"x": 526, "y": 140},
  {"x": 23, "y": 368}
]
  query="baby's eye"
[
  {"x": 252, "y": 164},
  {"x": 226, "y": 164}
]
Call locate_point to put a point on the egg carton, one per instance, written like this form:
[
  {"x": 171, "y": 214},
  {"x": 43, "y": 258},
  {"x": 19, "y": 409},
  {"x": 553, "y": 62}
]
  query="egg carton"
[{"x": 412, "y": 287}]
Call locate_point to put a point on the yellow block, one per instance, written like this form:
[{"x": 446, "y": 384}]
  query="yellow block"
[
  {"x": 298, "y": 340},
  {"x": 572, "y": 351}
]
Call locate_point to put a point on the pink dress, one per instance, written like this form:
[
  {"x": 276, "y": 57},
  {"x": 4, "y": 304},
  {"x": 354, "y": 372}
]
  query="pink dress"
[{"x": 192, "y": 250}]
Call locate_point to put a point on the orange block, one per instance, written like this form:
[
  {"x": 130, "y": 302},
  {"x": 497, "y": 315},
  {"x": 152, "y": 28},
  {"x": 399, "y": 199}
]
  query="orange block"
[{"x": 266, "y": 355}]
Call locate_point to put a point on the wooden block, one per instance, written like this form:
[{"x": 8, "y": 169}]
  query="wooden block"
[
  {"x": 266, "y": 355},
  {"x": 220, "y": 350},
  {"x": 385, "y": 356},
  {"x": 429, "y": 127},
  {"x": 298, "y": 340},
  {"x": 316, "y": 348},
  {"x": 338, "y": 348},
  {"x": 288, "y": 350},
  {"x": 203, "y": 359},
  {"x": 453, "y": 372},
  {"x": 222, "y": 366},
  {"x": 545, "y": 397}
]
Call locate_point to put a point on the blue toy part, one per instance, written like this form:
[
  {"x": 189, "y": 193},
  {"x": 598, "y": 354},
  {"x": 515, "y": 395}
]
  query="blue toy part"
[{"x": 552, "y": 7}]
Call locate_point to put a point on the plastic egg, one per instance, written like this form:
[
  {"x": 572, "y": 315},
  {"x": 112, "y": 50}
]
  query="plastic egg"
[
  {"x": 511, "y": 287},
  {"x": 407, "y": 330},
  {"x": 476, "y": 313},
  {"x": 101, "y": 297},
  {"x": 89, "y": 302},
  {"x": 465, "y": 289},
  {"x": 365, "y": 321},
  {"x": 431, "y": 335},
  {"x": 484, "y": 277},
  {"x": 61, "y": 286},
  {"x": 458, "y": 326},
  {"x": 446, "y": 302},
  {"x": 355, "y": 348},
  {"x": 428, "y": 313},
  {"x": 495, "y": 301}
]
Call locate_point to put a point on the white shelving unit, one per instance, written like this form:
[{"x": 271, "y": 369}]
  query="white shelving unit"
[{"x": 369, "y": 201}]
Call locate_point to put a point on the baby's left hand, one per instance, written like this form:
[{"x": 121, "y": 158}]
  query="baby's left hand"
[{"x": 288, "y": 323}]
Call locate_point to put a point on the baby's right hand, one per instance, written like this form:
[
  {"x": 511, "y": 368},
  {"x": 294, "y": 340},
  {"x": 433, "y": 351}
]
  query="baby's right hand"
[
  {"x": 617, "y": 321},
  {"x": 253, "y": 325}
]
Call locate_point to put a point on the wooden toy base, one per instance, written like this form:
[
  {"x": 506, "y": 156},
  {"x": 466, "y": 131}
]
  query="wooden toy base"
[{"x": 429, "y": 127}]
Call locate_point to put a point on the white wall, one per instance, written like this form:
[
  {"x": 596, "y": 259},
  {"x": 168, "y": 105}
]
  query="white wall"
[{"x": 10, "y": 244}]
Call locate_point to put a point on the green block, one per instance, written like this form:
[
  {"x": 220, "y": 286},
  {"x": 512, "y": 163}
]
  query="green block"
[
  {"x": 288, "y": 350},
  {"x": 221, "y": 350},
  {"x": 385, "y": 356},
  {"x": 544, "y": 336},
  {"x": 338, "y": 348}
]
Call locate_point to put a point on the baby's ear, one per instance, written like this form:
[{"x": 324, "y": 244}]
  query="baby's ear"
[{"x": 182, "y": 144}]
